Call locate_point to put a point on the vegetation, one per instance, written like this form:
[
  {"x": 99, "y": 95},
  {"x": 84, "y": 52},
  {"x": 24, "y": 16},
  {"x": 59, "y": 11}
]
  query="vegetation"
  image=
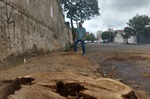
[
  {"x": 79, "y": 10},
  {"x": 108, "y": 35},
  {"x": 137, "y": 25},
  {"x": 90, "y": 37}
]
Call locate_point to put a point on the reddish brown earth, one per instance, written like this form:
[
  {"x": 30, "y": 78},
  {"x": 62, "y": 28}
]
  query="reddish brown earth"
[{"x": 61, "y": 75}]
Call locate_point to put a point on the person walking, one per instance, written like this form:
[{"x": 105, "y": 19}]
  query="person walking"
[{"x": 80, "y": 37}]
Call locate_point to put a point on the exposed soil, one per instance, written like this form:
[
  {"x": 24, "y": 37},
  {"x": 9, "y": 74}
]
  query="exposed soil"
[
  {"x": 52, "y": 65},
  {"x": 56, "y": 61},
  {"x": 69, "y": 75}
]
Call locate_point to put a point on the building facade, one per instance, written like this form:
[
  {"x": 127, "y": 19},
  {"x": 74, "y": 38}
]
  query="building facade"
[
  {"x": 99, "y": 33},
  {"x": 118, "y": 37}
]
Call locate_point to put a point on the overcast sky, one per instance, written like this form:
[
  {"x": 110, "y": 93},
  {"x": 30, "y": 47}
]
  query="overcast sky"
[{"x": 116, "y": 13}]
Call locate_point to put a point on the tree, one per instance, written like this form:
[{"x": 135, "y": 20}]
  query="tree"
[
  {"x": 137, "y": 25},
  {"x": 147, "y": 31},
  {"x": 80, "y": 10},
  {"x": 90, "y": 37},
  {"x": 108, "y": 35},
  {"x": 128, "y": 32}
]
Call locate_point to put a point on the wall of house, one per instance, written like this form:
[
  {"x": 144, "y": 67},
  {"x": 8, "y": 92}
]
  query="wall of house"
[
  {"x": 31, "y": 25},
  {"x": 99, "y": 38},
  {"x": 132, "y": 39},
  {"x": 118, "y": 38}
]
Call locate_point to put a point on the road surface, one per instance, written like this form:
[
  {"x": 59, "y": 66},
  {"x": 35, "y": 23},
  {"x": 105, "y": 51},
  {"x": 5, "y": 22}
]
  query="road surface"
[{"x": 128, "y": 63}]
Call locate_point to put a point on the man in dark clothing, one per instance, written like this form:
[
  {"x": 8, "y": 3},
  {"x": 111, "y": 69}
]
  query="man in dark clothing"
[{"x": 80, "y": 37}]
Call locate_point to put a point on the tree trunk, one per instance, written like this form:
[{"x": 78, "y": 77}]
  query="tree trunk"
[
  {"x": 127, "y": 41},
  {"x": 77, "y": 23},
  {"x": 72, "y": 28}
]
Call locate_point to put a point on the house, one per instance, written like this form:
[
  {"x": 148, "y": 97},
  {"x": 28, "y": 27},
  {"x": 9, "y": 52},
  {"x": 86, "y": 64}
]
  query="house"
[
  {"x": 132, "y": 40},
  {"x": 118, "y": 37},
  {"x": 99, "y": 34},
  {"x": 99, "y": 39}
]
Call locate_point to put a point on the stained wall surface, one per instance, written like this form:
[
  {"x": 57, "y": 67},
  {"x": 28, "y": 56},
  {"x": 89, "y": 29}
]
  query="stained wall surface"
[{"x": 29, "y": 25}]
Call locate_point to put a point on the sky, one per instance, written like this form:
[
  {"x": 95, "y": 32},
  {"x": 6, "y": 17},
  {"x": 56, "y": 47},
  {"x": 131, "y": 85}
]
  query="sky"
[{"x": 116, "y": 13}]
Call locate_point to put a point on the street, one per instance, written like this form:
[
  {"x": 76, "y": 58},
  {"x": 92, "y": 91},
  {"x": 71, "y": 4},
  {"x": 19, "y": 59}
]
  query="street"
[{"x": 129, "y": 64}]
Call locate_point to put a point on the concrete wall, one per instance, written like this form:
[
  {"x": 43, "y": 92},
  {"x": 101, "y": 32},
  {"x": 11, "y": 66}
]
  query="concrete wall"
[
  {"x": 132, "y": 39},
  {"x": 31, "y": 25},
  {"x": 118, "y": 38},
  {"x": 143, "y": 39}
]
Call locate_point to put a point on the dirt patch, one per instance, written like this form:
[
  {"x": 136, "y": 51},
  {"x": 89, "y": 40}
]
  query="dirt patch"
[
  {"x": 59, "y": 75},
  {"x": 15, "y": 60},
  {"x": 13, "y": 86},
  {"x": 77, "y": 72},
  {"x": 121, "y": 58},
  {"x": 65, "y": 85},
  {"x": 127, "y": 56},
  {"x": 70, "y": 89},
  {"x": 146, "y": 75}
]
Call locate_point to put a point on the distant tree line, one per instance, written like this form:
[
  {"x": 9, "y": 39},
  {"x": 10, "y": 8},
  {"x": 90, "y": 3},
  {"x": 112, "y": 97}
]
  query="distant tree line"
[
  {"x": 90, "y": 37},
  {"x": 139, "y": 24},
  {"x": 108, "y": 36}
]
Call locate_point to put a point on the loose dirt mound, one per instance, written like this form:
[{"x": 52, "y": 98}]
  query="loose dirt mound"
[
  {"x": 60, "y": 75},
  {"x": 62, "y": 85}
]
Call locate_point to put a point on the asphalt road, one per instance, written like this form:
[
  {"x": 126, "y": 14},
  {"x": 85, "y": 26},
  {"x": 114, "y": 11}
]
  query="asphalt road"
[
  {"x": 111, "y": 46},
  {"x": 128, "y": 63}
]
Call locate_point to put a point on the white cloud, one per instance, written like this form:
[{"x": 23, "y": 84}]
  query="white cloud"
[{"x": 116, "y": 13}]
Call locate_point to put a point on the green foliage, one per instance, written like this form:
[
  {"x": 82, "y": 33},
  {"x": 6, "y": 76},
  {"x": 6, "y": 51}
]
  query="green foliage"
[
  {"x": 90, "y": 37},
  {"x": 107, "y": 35},
  {"x": 147, "y": 31},
  {"x": 80, "y": 9},
  {"x": 137, "y": 25},
  {"x": 128, "y": 32}
]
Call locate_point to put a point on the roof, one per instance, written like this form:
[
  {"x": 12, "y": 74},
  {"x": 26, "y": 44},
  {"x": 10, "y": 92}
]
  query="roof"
[{"x": 120, "y": 31}]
